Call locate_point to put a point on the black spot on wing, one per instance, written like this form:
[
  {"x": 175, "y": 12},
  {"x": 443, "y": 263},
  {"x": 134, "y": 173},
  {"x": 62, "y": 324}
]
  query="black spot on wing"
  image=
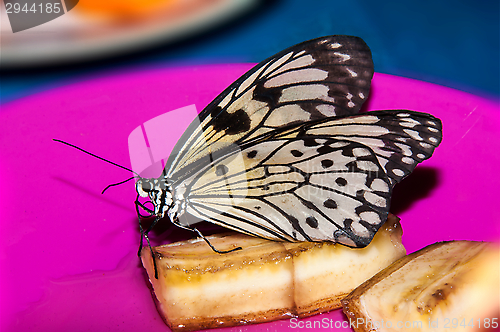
[
  {"x": 326, "y": 163},
  {"x": 309, "y": 141},
  {"x": 348, "y": 222},
  {"x": 325, "y": 149},
  {"x": 341, "y": 181},
  {"x": 221, "y": 170},
  {"x": 312, "y": 222},
  {"x": 232, "y": 123},
  {"x": 330, "y": 204},
  {"x": 252, "y": 154},
  {"x": 214, "y": 112}
]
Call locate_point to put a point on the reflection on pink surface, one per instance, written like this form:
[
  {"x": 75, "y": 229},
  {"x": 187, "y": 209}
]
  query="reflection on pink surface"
[
  {"x": 68, "y": 253},
  {"x": 147, "y": 145}
]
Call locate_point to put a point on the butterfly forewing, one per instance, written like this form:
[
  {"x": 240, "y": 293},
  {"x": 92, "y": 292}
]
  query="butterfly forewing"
[{"x": 325, "y": 77}]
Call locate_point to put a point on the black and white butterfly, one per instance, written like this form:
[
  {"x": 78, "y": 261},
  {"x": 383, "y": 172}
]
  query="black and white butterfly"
[{"x": 282, "y": 153}]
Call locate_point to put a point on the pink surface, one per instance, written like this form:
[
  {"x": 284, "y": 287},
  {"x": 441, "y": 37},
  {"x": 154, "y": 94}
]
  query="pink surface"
[{"x": 68, "y": 253}]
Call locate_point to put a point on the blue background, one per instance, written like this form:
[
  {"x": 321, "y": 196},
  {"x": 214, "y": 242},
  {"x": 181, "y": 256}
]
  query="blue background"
[{"x": 452, "y": 43}]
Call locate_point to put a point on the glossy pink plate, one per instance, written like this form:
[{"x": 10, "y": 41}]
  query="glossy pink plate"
[{"x": 68, "y": 253}]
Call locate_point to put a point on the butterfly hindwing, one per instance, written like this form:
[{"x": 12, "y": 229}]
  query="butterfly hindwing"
[
  {"x": 325, "y": 77},
  {"x": 296, "y": 190},
  {"x": 400, "y": 139},
  {"x": 329, "y": 180}
]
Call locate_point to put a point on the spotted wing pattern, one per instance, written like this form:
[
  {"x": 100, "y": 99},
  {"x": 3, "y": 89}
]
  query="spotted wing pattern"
[
  {"x": 325, "y": 77},
  {"x": 327, "y": 180},
  {"x": 399, "y": 138}
]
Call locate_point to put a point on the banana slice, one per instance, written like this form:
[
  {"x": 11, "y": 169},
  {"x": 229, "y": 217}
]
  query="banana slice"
[
  {"x": 264, "y": 281},
  {"x": 447, "y": 286}
]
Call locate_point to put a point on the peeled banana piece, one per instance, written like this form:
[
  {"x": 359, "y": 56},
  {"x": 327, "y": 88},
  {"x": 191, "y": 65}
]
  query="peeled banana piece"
[
  {"x": 266, "y": 280},
  {"x": 447, "y": 286}
]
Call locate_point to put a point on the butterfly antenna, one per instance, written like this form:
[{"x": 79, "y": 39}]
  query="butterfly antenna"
[
  {"x": 96, "y": 156},
  {"x": 116, "y": 184}
]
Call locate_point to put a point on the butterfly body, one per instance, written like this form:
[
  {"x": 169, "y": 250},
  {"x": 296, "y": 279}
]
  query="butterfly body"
[{"x": 282, "y": 153}]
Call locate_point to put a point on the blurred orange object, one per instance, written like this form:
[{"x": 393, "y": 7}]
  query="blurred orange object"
[{"x": 119, "y": 9}]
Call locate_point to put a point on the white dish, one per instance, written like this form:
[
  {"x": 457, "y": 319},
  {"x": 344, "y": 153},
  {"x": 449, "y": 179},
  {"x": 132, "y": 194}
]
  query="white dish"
[{"x": 77, "y": 35}]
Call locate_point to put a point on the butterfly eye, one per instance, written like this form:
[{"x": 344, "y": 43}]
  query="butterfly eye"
[{"x": 147, "y": 186}]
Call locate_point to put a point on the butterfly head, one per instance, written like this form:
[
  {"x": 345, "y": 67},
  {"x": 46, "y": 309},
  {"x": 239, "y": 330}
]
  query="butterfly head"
[{"x": 158, "y": 191}]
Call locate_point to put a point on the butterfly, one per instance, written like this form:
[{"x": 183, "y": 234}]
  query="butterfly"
[{"x": 283, "y": 153}]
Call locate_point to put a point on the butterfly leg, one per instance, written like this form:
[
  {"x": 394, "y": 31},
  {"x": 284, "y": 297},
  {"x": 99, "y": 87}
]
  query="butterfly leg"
[
  {"x": 195, "y": 230},
  {"x": 145, "y": 208},
  {"x": 144, "y": 234},
  {"x": 211, "y": 245}
]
